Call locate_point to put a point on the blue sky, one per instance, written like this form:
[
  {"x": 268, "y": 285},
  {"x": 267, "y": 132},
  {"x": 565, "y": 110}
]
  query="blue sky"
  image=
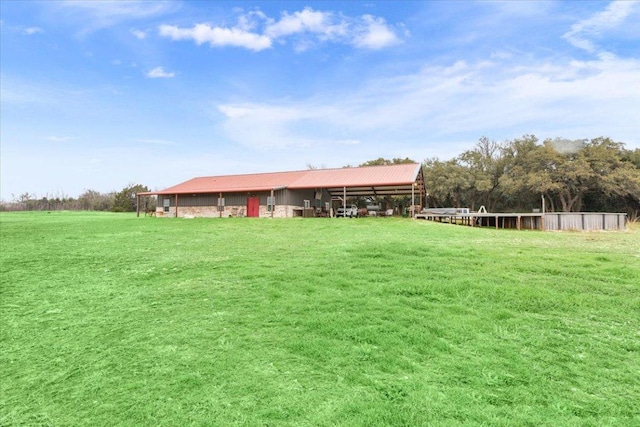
[{"x": 97, "y": 95}]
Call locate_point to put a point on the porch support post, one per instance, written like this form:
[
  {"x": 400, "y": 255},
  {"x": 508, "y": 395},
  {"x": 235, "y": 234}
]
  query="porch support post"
[
  {"x": 413, "y": 203},
  {"x": 344, "y": 198},
  {"x": 273, "y": 203}
]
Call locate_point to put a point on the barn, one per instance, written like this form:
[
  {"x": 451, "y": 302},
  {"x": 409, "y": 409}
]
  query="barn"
[{"x": 306, "y": 193}]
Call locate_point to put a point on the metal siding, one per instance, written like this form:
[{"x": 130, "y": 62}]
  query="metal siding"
[
  {"x": 234, "y": 199},
  {"x": 611, "y": 221},
  {"x": 586, "y": 221},
  {"x": 281, "y": 197},
  {"x": 571, "y": 222},
  {"x": 197, "y": 200},
  {"x": 592, "y": 222},
  {"x": 297, "y": 197}
]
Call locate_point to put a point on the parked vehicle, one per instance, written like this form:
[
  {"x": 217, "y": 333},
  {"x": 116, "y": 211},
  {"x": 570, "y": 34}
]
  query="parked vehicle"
[{"x": 349, "y": 211}]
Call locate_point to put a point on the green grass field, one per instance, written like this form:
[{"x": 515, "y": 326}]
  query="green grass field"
[{"x": 113, "y": 320}]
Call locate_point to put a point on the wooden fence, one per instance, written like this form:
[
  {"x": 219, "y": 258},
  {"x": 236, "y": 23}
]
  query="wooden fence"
[
  {"x": 585, "y": 221},
  {"x": 554, "y": 221}
]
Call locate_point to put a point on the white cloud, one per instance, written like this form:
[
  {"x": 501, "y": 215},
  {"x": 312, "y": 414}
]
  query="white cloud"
[
  {"x": 306, "y": 21},
  {"x": 374, "y": 33},
  {"x": 115, "y": 10},
  {"x": 266, "y": 126},
  {"x": 20, "y": 29},
  {"x": 583, "y": 33},
  {"x": 217, "y": 36},
  {"x": 501, "y": 99},
  {"x": 139, "y": 34},
  {"x": 96, "y": 15},
  {"x": 256, "y": 31},
  {"x": 251, "y": 20},
  {"x": 234, "y": 111},
  {"x": 159, "y": 72},
  {"x": 32, "y": 30}
]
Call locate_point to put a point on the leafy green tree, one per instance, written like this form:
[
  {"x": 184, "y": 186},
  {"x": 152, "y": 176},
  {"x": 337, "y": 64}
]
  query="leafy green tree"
[
  {"x": 616, "y": 180},
  {"x": 381, "y": 161},
  {"x": 518, "y": 188},
  {"x": 632, "y": 157},
  {"x": 612, "y": 175},
  {"x": 485, "y": 167},
  {"x": 447, "y": 182},
  {"x": 125, "y": 200},
  {"x": 566, "y": 172},
  {"x": 556, "y": 169}
]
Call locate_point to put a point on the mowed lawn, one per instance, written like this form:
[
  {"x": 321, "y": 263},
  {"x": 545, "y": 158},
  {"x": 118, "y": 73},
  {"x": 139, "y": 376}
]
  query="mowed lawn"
[{"x": 112, "y": 320}]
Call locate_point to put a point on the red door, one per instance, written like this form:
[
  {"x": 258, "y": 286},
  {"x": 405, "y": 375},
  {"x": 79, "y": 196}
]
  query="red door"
[{"x": 253, "y": 207}]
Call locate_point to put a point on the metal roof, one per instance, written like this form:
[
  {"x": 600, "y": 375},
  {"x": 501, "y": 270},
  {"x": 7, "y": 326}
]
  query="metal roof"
[{"x": 369, "y": 180}]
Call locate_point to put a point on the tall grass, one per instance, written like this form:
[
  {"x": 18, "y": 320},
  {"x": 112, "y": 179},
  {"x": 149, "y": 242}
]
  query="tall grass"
[{"x": 109, "y": 319}]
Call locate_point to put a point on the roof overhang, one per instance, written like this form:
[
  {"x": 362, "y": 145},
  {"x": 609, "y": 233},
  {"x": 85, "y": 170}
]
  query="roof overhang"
[{"x": 376, "y": 190}]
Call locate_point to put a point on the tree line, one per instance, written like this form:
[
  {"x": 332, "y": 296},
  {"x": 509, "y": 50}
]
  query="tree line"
[
  {"x": 90, "y": 200},
  {"x": 516, "y": 175}
]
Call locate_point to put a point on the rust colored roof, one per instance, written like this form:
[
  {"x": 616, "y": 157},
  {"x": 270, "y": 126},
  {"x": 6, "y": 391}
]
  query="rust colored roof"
[{"x": 370, "y": 176}]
